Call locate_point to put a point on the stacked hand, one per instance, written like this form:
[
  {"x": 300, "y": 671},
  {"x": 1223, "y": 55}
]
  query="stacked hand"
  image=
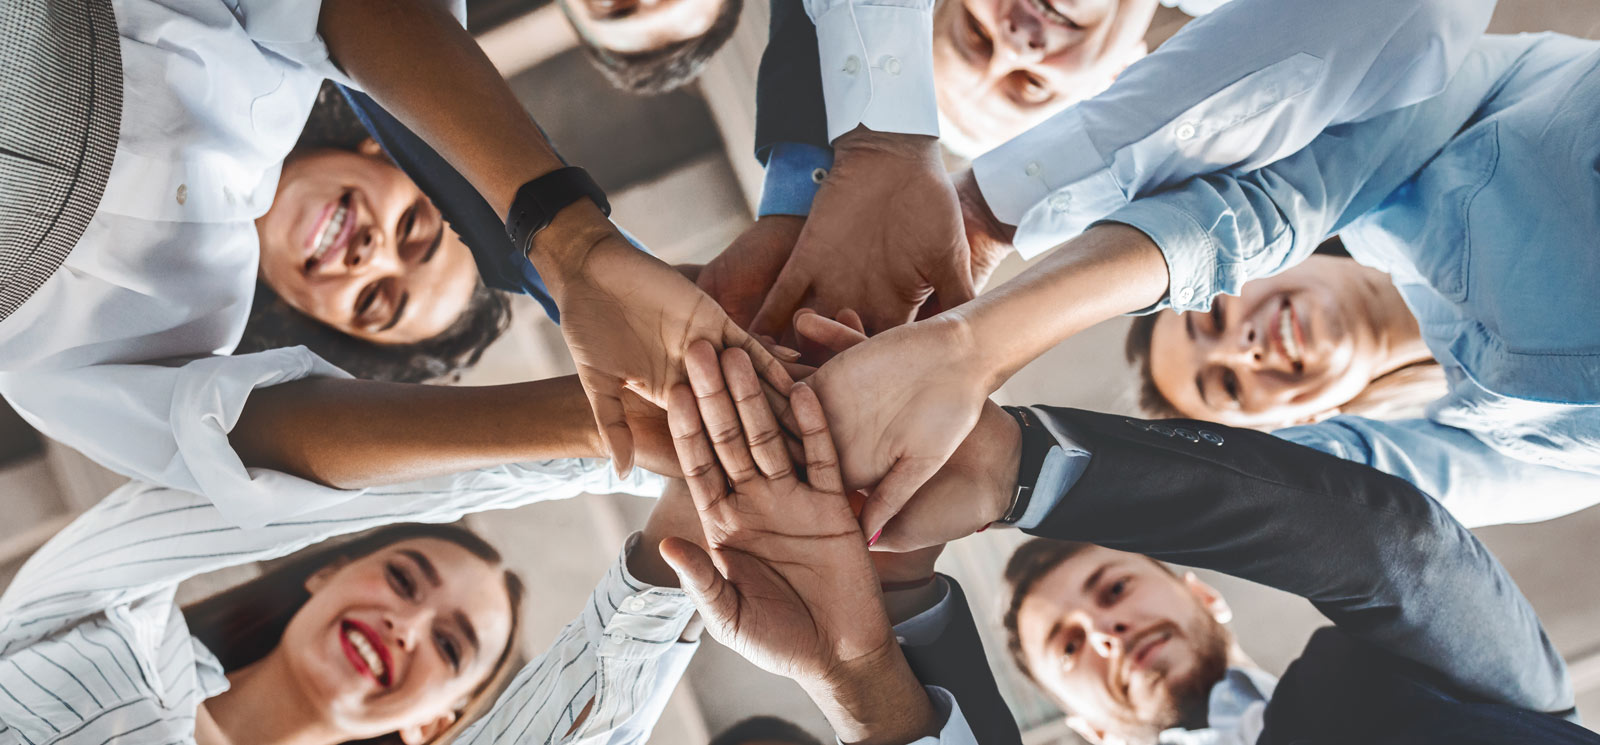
[{"x": 787, "y": 581}]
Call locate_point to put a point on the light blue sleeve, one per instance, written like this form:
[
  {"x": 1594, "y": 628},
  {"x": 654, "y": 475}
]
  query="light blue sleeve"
[
  {"x": 1220, "y": 230},
  {"x": 1476, "y": 483},
  {"x": 1062, "y": 466},
  {"x": 794, "y": 172},
  {"x": 954, "y": 730}
]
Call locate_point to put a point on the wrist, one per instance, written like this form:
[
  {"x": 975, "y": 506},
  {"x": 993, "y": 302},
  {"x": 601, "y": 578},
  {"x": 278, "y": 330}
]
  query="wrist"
[
  {"x": 560, "y": 251},
  {"x": 959, "y": 335},
  {"x": 1000, "y": 434},
  {"x": 874, "y": 700},
  {"x": 860, "y": 141}
]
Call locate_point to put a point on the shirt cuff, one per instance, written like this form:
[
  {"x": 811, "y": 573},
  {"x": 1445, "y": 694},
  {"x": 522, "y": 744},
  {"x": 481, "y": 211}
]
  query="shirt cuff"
[
  {"x": 925, "y": 627},
  {"x": 795, "y": 171},
  {"x": 207, "y": 398},
  {"x": 877, "y": 69},
  {"x": 1188, "y": 248},
  {"x": 1050, "y": 182},
  {"x": 1063, "y": 465},
  {"x": 636, "y": 620}
]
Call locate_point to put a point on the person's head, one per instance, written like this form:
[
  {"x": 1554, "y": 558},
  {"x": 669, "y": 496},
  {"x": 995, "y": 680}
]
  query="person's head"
[
  {"x": 1002, "y": 66},
  {"x": 764, "y": 731},
  {"x": 1322, "y": 338},
  {"x": 359, "y": 265},
  {"x": 402, "y": 635},
  {"x": 1125, "y": 646},
  {"x": 652, "y": 46}
]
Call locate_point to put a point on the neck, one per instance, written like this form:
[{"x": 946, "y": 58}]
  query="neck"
[
  {"x": 1399, "y": 336},
  {"x": 264, "y": 706},
  {"x": 1237, "y": 657}
]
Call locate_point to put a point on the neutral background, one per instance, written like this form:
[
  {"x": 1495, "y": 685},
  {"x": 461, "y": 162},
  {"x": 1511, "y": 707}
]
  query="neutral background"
[{"x": 682, "y": 178}]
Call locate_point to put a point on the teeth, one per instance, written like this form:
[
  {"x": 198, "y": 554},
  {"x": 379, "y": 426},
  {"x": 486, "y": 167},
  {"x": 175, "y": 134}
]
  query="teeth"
[
  {"x": 330, "y": 230},
  {"x": 1049, "y": 12},
  {"x": 1291, "y": 345},
  {"x": 370, "y": 655}
]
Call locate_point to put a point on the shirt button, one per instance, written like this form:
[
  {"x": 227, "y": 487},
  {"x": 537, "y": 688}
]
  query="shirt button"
[
  {"x": 183, "y": 193},
  {"x": 891, "y": 64},
  {"x": 1060, "y": 201},
  {"x": 851, "y": 65},
  {"x": 633, "y": 604},
  {"x": 1032, "y": 169},
  {"x": 1186, "y": 130},
  {"x": 817, "y": 175},
  {"x": 1185, "y": 294}
]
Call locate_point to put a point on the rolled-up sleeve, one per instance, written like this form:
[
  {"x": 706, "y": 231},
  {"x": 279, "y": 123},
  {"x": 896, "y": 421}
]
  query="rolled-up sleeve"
[
  {"x": 1243, "y": 87},
  {"x": 169, "y": 425},
  {"x": 953, "y": 728},
  {"x": 877, "y": 65},
  {"x": 289, "y": 29}
]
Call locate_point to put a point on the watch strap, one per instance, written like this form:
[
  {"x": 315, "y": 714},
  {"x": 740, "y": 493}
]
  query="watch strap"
[
  {"x": 1035, "y": 442},
  {"x": 538, "y": 201}
]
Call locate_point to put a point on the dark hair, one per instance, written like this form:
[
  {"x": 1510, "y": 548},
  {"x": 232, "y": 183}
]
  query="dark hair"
[
  {"x": 672, "y": 66},
  {"x": 274, "y": 323},
  {"x": 1137, "y": 351},
  {"x": 240, "y": 625},
  {"x": 756, "y": 729}
]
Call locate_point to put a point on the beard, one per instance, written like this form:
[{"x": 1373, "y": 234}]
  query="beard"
[{"x": 1183, "y": 701}]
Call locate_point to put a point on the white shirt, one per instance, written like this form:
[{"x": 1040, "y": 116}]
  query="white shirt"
[
  {"x": 877, "y": 65},
  {"x": 1242, "y": 87},
  {"x": 94, "y": 649},
  {"x": 115, "y": 353}
]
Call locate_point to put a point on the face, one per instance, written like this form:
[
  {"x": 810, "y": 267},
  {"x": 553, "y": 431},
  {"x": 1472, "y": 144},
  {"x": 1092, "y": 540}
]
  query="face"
[
  {"x": 1289, "y": 349},
  {"x": 635, "y": 26},
  {"x": 1125, "y": 646},
  {"x": 396, "y": 641},
  {"x": 352, "y": 242},
  {"x": 1002, "y": 66}
]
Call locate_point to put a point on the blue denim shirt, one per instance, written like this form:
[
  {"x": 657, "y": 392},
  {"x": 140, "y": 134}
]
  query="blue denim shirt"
[{"x": 1483, "y": 205}]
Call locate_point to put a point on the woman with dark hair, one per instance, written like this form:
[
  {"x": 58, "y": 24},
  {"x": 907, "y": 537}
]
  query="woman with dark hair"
[
  {"x": 149, "y": 177},
  {"x": 406, "y": 634}
]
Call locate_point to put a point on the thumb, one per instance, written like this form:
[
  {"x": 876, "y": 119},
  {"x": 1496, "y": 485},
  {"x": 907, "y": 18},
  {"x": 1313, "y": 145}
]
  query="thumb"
[
  {"x": 713, "y": 596},
  {"x": 903, "y": 480},
  {"x": 605, "y": 399},
  {"x": 781, "y": 302},
  {"x": 953, "y": 283}
]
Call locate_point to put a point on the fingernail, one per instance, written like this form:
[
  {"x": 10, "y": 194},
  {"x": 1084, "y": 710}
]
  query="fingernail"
[
  {"x": 980, "y": 530},
  {"x": 785, "y": 353},
  {"x": 873, "y": 541}
]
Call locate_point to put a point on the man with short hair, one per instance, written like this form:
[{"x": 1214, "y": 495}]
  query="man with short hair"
[{"x": 651, "y": 46}]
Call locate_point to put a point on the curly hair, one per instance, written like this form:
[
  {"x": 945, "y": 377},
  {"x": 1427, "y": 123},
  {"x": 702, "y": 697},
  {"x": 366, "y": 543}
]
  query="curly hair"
[
  {"x": 670, "y": 67},
  {"x": 274, "y": 323}
]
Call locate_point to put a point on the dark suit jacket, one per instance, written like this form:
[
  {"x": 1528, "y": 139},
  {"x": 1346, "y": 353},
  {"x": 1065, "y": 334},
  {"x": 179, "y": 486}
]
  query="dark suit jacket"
[
  {"x": 789, "y": 103},
  {"x": 1432, "y": 641}
]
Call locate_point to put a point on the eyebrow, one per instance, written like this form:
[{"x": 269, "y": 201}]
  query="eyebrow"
[
  {"x": 399, "y": 308},
  {"x": 1188, "y": 325},
  {"x": 1094, "y": 578},
  {"x": 427, "y": 566},
  {"x": 1200, "y": 385},
  {"x": 468, "y": 631},
  {"x": 433, "y": 247}
]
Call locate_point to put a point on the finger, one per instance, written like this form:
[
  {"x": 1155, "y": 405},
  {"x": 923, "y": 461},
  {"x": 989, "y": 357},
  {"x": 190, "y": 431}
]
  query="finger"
[
  {"x": 851, "y": 318},
  {"x": 903, "y": 480},
  {"x": 785, "y": 296},
  {"x": 605, "y": 399},
  {"x": 718, "y": 413},
  {"x": 779, "y": 403},
  {"x": 953, "y": 285},
  {"x": 822, "y": 461},
  {"x": 761, "y": 430},
  {"x": 707, "y": 485},
  {"x": 712, "y": 595},
  {"x": 833, "y": 335},
  {"x": 766, "y": 364}
]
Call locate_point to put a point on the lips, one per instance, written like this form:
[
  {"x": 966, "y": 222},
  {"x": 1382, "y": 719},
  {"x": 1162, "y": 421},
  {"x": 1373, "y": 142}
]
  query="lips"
[
  {"x": 1049, "y": 12},
  {"x": 1287, "y": 335},
  {"x": 330, "y": 235},
  {"x": 366, "y": 651},
  {"x": 1141, "y": 652}
]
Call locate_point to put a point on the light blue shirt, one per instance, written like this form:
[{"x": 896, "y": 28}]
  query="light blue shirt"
[
  {"x": 794, "y": 172},
  {"x": 1483, "y": 205}
]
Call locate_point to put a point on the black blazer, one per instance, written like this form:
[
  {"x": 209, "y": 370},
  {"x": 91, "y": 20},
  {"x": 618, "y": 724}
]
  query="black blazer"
[
  {"x": 1432, "y": 641},
  {"x": 789, "y": 103}
]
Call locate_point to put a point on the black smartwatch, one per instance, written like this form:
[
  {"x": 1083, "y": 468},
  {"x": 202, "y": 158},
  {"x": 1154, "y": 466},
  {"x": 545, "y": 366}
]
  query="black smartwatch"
[
  {"x": 538, "y": 201},
  {"x": 1036, "y": 444}
]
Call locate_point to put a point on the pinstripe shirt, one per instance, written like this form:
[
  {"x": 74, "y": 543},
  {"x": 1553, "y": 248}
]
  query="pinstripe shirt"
[{"x": 93, "y": 647}]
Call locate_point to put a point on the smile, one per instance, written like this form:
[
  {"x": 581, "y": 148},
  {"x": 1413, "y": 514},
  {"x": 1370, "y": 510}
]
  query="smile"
[
  {"x": 1140, "y": 655},
  {"x": 366, "y": 651},
  {"x": 333, "y": 231},
  {"x": 1050, "y": 14},
  {"x": 1291, "y": 342}
]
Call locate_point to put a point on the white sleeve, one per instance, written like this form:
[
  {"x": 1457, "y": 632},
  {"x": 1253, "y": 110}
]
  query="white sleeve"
[
  {"x": 954, "y": 730},
  {"x": 1240, "y": 88},
  {"x": 143, "y": 538},
  {"x": 622, "y": 653},
  {"x": 289, "y": 28},
  {"x": 876, "y": 61},
  {"x": 168, "y": 425}
]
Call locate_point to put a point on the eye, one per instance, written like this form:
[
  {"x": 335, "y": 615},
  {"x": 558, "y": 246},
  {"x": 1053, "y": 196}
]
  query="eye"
[
  {"x": 448, "y": 649},
  {"x": 976, "y": 36},
  {"x": 408, "y": 224},
  {"x": 366, "y": 298},
  {"x": 1216, "y": 317},
  {"x": 1114, "y": 592},
  {"x": 1230, "y": 385},
  {"x": 400, "y": 580}
]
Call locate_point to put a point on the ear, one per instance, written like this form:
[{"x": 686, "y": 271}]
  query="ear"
[
  {"x": 1208, "y": 596},
  {"x": 427, "y": 731},
  {"x": 370, "y": 148},
  {"x": 320, "y": 578},
  {"x": 1094, "y": 735}
]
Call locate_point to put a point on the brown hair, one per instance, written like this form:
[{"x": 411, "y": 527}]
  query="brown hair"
[
  {"x": 670, "y": 67},
  {"x": 1398, "y": 393},
  {"x": 240, "y": 625}
]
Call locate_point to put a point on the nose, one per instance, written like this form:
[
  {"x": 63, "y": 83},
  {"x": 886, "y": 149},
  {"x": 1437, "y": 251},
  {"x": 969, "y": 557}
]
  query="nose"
[
  {"x": 1023, "y": 33},
  {"x": 1107, "y": 640},
  {"x": 372, "y": 250},
  {"x": 408, "y": 627}
]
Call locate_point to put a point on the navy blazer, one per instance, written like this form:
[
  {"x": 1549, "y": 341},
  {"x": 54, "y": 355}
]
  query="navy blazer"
[{"x": 1432, "y": 641}]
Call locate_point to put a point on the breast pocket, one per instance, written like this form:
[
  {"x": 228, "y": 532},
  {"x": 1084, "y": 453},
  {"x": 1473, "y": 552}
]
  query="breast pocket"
[{"x": 1442, "y": 253}]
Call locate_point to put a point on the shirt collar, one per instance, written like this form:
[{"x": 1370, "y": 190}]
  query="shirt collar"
[{"x": 1234, "y": 713}]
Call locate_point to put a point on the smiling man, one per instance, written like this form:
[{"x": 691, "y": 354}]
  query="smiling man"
[{"x": 652, "y": 46}]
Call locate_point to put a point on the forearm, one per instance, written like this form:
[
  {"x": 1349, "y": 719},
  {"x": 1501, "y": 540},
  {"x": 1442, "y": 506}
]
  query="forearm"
[
  {"x": 876, "y": 701},
  {"x": 355, "y": 433},
  {"x": 1107, "y": 271}
]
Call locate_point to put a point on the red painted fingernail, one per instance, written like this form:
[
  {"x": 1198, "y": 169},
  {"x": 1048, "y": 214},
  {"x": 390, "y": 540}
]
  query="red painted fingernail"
[
  {"x": 875, "y": 536},
  {"x": 980, "y": 530}
]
